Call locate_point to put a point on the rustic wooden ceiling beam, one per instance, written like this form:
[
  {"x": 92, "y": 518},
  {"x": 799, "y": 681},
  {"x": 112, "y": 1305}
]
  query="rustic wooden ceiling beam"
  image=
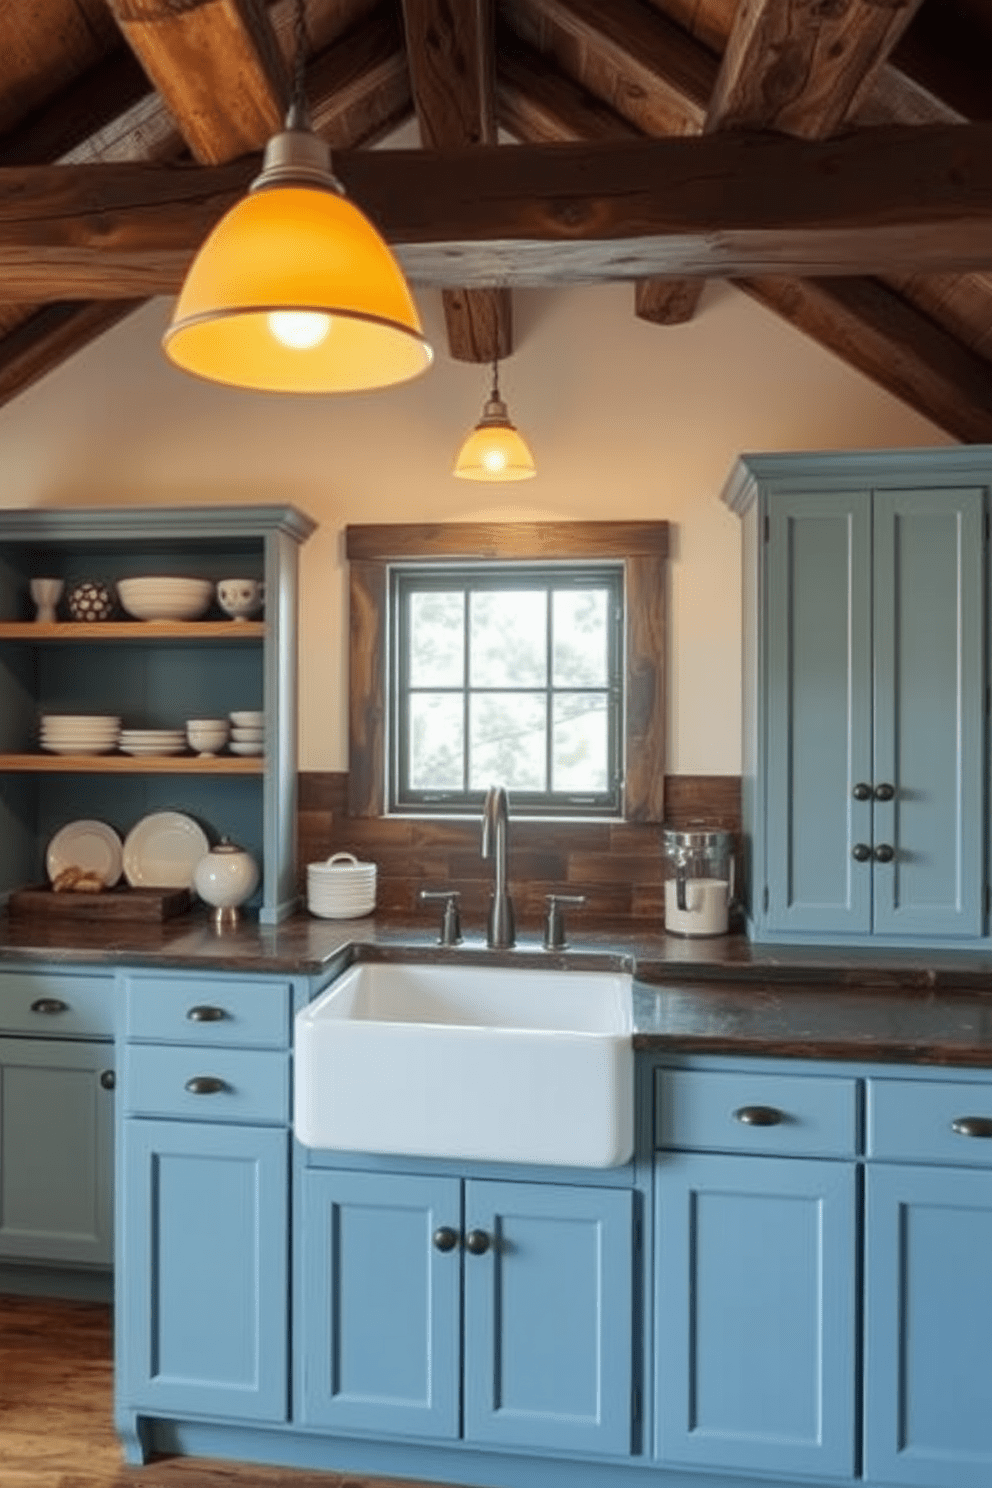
[
  {"x": 218, "y": 66},
  {"x": 452, "y": 73},
  {"x": 627, "y": 55},
  {"x": 710, "y": 206},
  {"x": 794, "y": 66},
  {"x": 871, "y": 327},
  {"x": 49, "y": 334}
]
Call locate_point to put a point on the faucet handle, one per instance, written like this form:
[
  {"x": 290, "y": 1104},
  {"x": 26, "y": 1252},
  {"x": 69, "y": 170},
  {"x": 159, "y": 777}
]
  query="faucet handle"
[
  {"x": 451, "y": 927},
  {"x": 554, "y": 927}
]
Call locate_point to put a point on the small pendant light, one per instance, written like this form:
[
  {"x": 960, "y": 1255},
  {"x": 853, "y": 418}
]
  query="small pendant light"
[
  {"x": 494, "y": 451},
  {"x": 294, "y": 290}
]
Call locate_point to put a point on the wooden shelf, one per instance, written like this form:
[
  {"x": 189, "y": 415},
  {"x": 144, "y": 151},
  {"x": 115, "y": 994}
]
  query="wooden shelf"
[
  {"x": 126, "y": 764},
  {"x": 133, "y": 630}
]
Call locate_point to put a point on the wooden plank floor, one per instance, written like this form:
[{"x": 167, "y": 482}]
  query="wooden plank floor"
[{"x": 56, "y": 1412}]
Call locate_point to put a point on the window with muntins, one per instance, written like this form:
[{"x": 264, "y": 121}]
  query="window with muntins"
[
  {"x": 527, "y": 654},
  {"x": 507, "y": 674}
]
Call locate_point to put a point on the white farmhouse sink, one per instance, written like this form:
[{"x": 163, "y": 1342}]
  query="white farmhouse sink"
[{"x": 499, "y": 1064}]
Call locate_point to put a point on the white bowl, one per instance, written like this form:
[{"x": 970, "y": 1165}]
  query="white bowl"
[
  {"x": 237, "y": 747},
  {"x": 248, "y": 720},
  {"x": 248, "y": 735},
  {"x": 165, "y": 599}
]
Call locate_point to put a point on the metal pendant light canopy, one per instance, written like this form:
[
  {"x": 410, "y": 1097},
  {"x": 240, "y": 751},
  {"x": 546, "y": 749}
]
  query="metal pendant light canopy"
[
  {"x": 494, "y": 450},
  {"x": 294, "y": 290}
]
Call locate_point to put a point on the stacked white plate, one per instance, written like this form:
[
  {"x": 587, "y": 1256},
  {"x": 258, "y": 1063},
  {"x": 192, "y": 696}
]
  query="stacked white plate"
[
  {"x": 144, "y": 743},
  {"x": 342, "y": 888},
  {"x": 79, "y": 733},
  {"x": 165, "y": 598}
]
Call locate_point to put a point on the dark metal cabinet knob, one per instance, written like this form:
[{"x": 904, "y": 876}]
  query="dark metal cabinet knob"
[
  {"x": 972, "y": 1126},
  {"x": 205, "y": 1085},
  {"x": 758, "y": 1115},
  {"x": 49, "y": 1005},
  {"x": 445, "y": 1238},
  {"x": 861, "y": 852},
  {"x": 477, "y": 1242},
  {"x": 861, "y": 791},
  {"x": 884, "y": 792},
  {"x": 884, "y": 853},
  {"x": 108, "y": 1080},
  {"x": 204, "y": 1013}
]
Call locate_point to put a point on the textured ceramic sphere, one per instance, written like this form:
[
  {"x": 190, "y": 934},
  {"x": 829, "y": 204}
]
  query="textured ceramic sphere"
[
  {"x": 90, "y": 600},
  {"x": 226, "y": 876}
]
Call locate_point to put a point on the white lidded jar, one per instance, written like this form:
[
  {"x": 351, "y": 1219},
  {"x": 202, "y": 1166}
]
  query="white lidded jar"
[
  {"x": 699, "y": 880},
  {"x": 225, "y": 878}
]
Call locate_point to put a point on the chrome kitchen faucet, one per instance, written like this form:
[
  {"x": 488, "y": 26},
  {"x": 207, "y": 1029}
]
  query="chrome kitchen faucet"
[{"x": 500, "y": 934}]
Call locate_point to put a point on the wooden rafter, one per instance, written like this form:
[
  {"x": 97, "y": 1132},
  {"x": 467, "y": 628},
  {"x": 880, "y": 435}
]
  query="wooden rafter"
[
  {"x": 452, "y": 73},
  {"x": 218, "y": 66},
  {"x": 794, "y": 66}
]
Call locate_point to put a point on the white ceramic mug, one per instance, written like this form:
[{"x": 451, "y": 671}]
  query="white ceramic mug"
[{"x": 240, "y": 598}]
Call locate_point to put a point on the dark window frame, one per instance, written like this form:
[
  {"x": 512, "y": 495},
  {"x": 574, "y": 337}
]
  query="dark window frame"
[
  {"x": 420, "y": 576},
  {"x": 643, "y": 548}
]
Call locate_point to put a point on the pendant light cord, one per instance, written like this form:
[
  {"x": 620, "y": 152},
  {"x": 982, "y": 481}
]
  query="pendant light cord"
[{"x": 299, "y": 114}]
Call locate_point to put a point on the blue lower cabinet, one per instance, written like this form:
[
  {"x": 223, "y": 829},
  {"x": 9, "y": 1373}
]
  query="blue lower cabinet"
[
  {"x": 548, "y": 1316},
  {"x": 523, "y": 1308},
  {"x": 379, "y": 1325},
  {"x": 928, "y": 1322},
  {"x": 202, "y": 1310},
  {"x": 56, "y": 1151},
  {"x": 756, "y": 1314}
]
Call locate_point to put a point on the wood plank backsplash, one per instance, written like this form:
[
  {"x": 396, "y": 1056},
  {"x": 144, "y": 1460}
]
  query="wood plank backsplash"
[{"x": 616, "y": 865}]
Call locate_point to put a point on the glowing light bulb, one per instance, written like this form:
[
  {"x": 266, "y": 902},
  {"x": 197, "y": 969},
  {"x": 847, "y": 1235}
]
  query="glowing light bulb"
[
  {"x": 494, "y": 459},
  {"x": 300, "y": 330}
]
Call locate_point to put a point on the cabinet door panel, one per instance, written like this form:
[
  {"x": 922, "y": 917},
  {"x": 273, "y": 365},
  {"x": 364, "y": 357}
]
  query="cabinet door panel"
[
  {"x": 755, "y": 1324},
  {"x": 380, "y": 1325},
  {"x": 203, "y": 1312},
  {"x": 548, "y": 1309},
  {"x": 928, "y": 1320},
  {"x": 929, "y": 710},
  {"x": 818, "y": 721},
  {"x": 56, "y": 1151}
]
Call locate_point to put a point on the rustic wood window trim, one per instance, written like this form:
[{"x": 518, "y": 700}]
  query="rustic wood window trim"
[{"x": 643, "y": 547}]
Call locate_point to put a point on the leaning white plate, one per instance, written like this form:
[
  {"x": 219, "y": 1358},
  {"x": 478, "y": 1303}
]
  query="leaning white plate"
[
  {"x": 162, "y": 850},
  {"x": 90, "y": 845}
]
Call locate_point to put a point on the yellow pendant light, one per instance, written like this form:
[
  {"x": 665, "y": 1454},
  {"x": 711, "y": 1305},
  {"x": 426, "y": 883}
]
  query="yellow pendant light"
[
  {"x": 494, "y": 450},
  {"x": 294, "y": 290}
]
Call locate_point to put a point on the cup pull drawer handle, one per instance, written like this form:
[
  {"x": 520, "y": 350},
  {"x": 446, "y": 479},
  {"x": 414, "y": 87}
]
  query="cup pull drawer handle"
[
  {"x": 205, "y": 1085},
  {"x": 204, "y": 1013},
  {"x": 972, "y": 1126},
  {"x": 49, "y": 1005},
  {"x": 758, "y": 1115}
]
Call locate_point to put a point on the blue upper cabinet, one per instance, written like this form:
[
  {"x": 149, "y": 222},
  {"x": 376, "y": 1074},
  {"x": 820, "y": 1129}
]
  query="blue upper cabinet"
[{"x": 865, "y": 686}]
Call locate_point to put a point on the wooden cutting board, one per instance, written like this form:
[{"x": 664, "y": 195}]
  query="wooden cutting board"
[{"x": 121, "y": 903}]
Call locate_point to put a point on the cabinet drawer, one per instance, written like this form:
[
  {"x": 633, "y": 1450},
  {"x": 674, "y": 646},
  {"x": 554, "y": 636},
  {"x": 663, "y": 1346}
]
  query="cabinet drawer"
[
  {"x": 914, "y": 1121},
  {"x": 741, "y": 1112},
  {"x": 208, "y": 1011},
  {"x": 234, "y": 1084},
  {"x": 57, "y": 1004}
]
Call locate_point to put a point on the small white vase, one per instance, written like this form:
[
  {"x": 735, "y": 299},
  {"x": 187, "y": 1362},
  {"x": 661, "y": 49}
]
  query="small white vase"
[
  {"x": 225, "y": 877},
  {"x": 46, "y": 594}
]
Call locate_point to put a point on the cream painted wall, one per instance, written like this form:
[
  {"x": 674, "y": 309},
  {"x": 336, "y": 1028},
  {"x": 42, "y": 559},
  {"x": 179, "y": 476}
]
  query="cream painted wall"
[{"x": 625, "y": 420}]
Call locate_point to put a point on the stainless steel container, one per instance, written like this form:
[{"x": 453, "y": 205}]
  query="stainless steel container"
[{"x": 699, "y": 880}]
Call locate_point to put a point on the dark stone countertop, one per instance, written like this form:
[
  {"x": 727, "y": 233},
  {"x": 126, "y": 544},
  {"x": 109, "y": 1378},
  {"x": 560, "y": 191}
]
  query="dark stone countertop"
[{"x": 721, "y": 996}]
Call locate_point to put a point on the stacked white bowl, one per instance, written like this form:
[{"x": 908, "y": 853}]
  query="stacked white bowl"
[
  {"x": 247, "y": 732},
  {"x": 342, "y": 888},
  {"x": 79, "y": 733},
  {"x": 148, "y": 742},
  {"x": 165, "y": 598},
  {"x": 207, "y": 735}
]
